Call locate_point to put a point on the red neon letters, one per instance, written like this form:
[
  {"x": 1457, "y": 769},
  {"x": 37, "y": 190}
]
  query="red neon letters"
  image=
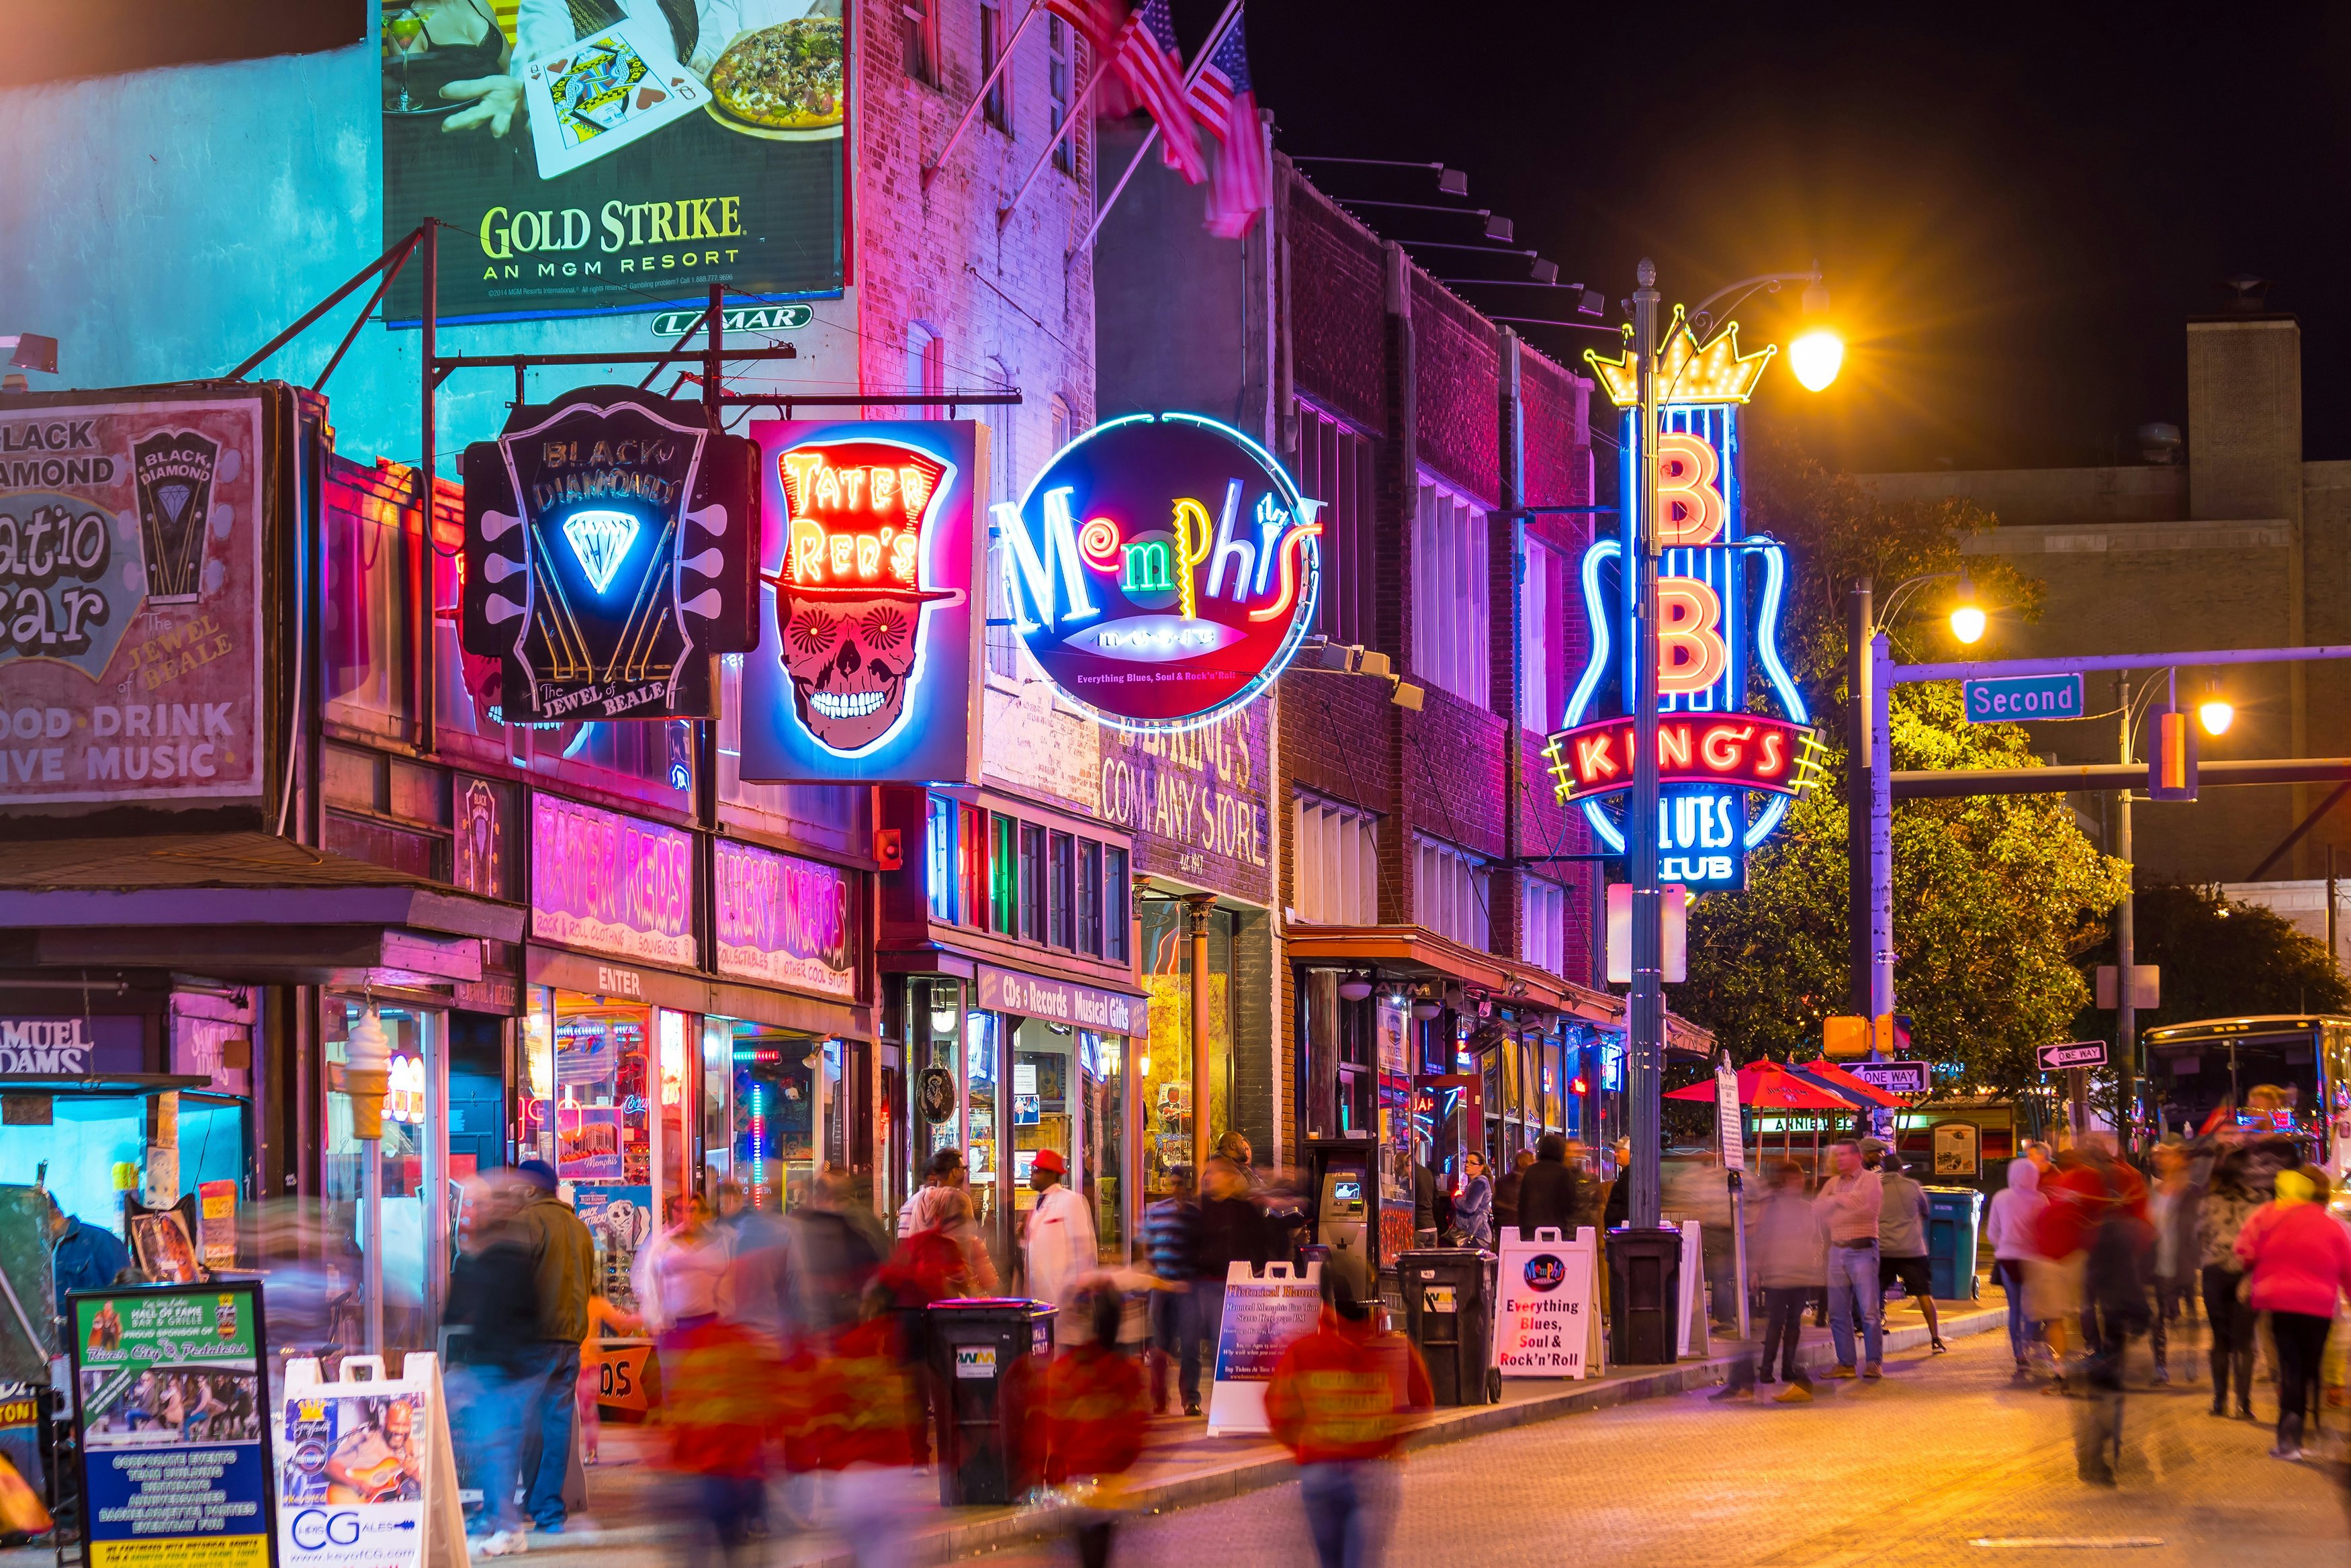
[{"x": 1744, "y": 749}]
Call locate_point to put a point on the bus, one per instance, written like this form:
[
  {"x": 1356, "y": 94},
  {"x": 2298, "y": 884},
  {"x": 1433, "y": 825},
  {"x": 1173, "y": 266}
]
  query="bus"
[{"x": 2289, "y": 1073}]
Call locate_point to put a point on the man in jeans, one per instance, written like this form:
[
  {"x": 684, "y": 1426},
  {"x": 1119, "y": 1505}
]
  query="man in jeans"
[
  {"x": 563, "y": 1266},
  {"x": 1848, "y": 1205}
]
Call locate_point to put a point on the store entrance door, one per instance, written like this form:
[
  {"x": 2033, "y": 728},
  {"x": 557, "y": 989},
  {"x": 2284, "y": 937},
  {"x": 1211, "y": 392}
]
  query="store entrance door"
[{"x": 1448, "y": 1121}]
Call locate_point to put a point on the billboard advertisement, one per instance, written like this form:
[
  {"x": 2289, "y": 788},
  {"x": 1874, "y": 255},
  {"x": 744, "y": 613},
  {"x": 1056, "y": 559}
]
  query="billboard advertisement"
[
  {"x": 131, "y": 583},
  {"x": 609, "y": 557},
  {"x": 1161, "y": 569},
  {"x": 595, "y": 156},
  {"x": 869, "y": 641}
]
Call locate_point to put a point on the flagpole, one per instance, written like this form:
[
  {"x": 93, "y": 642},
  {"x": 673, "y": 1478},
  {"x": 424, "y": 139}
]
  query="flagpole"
[
  {"x": 1085, "y": 96},
  {"x": 1199, "y": 63},
  {"x": 1003, "y": 59}
]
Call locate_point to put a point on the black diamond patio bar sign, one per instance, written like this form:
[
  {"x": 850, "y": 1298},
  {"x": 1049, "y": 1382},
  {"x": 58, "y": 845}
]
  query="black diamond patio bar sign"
[{"x": 610, "y": 556}]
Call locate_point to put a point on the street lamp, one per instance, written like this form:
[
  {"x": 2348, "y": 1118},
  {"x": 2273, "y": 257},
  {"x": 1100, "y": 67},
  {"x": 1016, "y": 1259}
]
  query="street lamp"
[
  {"x": 1818, "y": 353},
  {"x": 2215, "y": 712},
  {"x": 1645, "y": 1005}
]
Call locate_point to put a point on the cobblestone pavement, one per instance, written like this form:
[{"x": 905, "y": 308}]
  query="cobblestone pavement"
[{"x": 1944, "y": 1455}]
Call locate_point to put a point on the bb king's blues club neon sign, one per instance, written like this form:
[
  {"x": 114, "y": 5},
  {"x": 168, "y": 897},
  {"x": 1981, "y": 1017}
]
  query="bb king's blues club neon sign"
[
  {"x": 1732, "y": 727},
  {"x": 1161, "y": 570}
]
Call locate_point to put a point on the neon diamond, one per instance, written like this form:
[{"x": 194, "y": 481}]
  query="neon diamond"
[{"x": 600, "y": 542}]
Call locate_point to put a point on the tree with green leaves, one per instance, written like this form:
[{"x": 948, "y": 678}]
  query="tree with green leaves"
[
  {"x": 2221, "y": 958},
  {"x": 1995, "y": 895}
]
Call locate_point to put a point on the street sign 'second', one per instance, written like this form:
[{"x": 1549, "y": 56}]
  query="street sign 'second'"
[
  {"x": 2005, "y": 700},
  {"x": 1895, "y": 1077},
  {"x": 2071, "y": 1053}
]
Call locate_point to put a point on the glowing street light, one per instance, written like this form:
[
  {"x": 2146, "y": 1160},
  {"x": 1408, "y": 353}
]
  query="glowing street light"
[
  {"x": 1816, "y": 357},
  {"x": 2215, "y": 714},
  {"x": 1967, "y": 622}
]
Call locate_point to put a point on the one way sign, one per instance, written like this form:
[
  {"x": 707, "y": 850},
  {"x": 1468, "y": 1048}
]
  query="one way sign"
[{"x": 2073, "y": 1054}]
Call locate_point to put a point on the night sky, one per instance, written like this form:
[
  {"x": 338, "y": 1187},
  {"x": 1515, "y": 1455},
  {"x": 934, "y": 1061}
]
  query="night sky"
[{"x": 2017, "y": 210}]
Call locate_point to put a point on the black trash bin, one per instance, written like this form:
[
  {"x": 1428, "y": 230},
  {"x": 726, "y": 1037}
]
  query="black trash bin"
[
  {"x": 1645, "y": 1270},
  {"x": 976, "y": 1346},
  {"x": 1449, "y": 1315}
]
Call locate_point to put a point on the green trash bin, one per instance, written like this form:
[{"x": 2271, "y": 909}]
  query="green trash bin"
[{"x": 1952, "y": 1216}]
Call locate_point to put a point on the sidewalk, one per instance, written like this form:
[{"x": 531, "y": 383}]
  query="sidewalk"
[{"x": 1182, "y": 1465}]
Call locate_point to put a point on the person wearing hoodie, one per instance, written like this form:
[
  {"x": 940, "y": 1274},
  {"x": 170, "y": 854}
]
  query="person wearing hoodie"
[
  {"x": 2231, "y": 1200},
  {"x": 2299, "y": 1260},
  {"x": 2008, "y": 1227}
]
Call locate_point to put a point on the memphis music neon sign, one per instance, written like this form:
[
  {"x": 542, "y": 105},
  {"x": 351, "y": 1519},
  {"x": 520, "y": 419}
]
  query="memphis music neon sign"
[
  {"x": 1733, "y": 731},
  {"x": 1161, "y": 570}
]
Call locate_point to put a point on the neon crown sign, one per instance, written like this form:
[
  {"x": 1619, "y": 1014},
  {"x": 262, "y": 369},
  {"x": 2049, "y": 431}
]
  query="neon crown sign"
[
  {"x": 1732, "y": 726},
  {"x": 1161, "y": 570}
]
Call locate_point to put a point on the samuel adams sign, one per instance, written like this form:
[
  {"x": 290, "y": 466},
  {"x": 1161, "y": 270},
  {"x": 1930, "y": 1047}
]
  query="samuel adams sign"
[{"x": 72, "y": 1046}]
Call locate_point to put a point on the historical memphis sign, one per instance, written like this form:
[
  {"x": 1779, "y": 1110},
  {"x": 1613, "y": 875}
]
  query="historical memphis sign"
[
  {"x": 1161, "y": 570},
  {"x": 611, "y": 539},
  {"x": 1734, "y": 743},
  {"x": 871, "y": 551}
]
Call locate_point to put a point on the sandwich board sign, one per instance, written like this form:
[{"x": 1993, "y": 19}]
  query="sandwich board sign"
[
  {"x": 1546, "y": 1312},
  {"x": 369, "y": 1478},
  {"x": 1263, "y": 1314}
]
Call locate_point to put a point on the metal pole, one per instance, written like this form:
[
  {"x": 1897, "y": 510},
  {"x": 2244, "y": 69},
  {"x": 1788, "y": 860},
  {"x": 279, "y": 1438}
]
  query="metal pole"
[
  {"x": 1881, "y": 832},
  {"x": 1862, "y": 870},
  {"x": 1003, "y": 59},
  {"x": 371, "y": 1255},
  {"x": 2125, "y": 1018},
  {"x": 423, "y": 622},
  {"x": 2332, "y": 961},
  {"x": 1647, "y": 1004}
]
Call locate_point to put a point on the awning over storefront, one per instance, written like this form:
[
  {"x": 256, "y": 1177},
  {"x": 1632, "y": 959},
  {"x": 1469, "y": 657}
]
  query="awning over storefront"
[
  {"x": 686, "y": 992},
  {"x": 1415, "y": 953},
  {"x": 243, "y": 906}
]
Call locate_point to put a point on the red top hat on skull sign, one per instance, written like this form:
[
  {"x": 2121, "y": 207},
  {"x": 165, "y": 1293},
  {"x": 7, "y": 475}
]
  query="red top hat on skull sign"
[{"x": 849, "y": 590}]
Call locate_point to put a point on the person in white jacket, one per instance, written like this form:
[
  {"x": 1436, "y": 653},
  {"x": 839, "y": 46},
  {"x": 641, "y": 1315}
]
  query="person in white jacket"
[
  {"x": 2008, "y": 1227},
  {"x": 1061, "y": 1249}
]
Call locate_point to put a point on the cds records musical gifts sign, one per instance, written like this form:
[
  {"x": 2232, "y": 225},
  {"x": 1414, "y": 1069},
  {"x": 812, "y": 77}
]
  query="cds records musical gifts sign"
[
  {"x": 609, "y": 543},
  {"x": 129, "y": 577}
]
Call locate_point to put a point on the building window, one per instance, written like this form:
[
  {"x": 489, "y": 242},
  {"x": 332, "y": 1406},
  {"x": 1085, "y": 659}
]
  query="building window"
[
  {"x": 1538, "y": 699},
  {"x": 1338, "y": 881},
  {"x": 1090, "y": 897},
  {"x": 1335, "y": 466},
  {"x": 1449, "y": 893},
  {"x": 926, "y": 368},
  {"x": 1003, "y": 877},
  {"x": 1058, "y": 411},
  {"x": 1064, "y": 903},
  {"x": 1543, "y": 914},
  {"x": 971, "y": 848},
  {"x": 1032, "y": 882},
  {"x": 1115, "y": 918},
  {"x": 999, "y": 107},
  {"x": 918, "y": 23},
  {"x": 1450, "y": 645},
  {"x": 941, "y": 864},
  {"x": 1059, "y": 62}
]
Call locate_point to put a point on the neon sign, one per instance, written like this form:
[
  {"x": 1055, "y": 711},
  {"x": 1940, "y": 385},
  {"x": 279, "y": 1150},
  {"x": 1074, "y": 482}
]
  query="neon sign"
[
  {"x": 1732, "y": 728},
  {"x": 1161, "y": 570},
  {"x": 869, "y": 557},
  {"x": 608, "y": 558}
]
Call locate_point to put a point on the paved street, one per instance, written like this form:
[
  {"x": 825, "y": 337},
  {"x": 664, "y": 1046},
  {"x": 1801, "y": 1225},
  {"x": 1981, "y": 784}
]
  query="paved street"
[{"x": 1916, "y": 1470}]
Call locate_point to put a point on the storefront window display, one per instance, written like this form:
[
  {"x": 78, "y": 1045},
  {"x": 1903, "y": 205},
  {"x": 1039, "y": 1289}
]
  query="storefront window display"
[
  {"x": 777, "y": 1093},
  {"x": 1167, "y": 1082},
  {"x": 1042, "y": 1114},
  {"x": 1102, "y": 1060},
  {"x": 981, "y": 1148},
  {"x": 418, "y": 1191}
]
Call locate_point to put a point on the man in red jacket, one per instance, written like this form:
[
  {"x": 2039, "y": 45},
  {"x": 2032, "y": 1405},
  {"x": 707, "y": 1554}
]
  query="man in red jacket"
[{"x": 1338, "y": 1402}]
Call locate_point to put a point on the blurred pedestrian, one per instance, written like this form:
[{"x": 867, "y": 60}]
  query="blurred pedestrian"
[
  {"x": 2298, "y": 1262},
  {"x": 494, "y": 1297},
  {"x": 2172, "y": 1213},
  {"x": 2009, "y": 1226},
  {"x": 2220, "y": 1220},
  {"x": 563, "y": 1264},
  {"x": 1699, "y": 1190},
  {"x": 2117, "y": 1244},
  {"x": 603, "y": 1316},
  {"x": 1473, "y": 1206},
  {"x": 1785, "y": 1259},
  {"x": 870, "y": 1434},
  {"x": 1902, "y": 1221},
  {"x": 1423, "y": 1200},
  {"x": 1506, "y": 1191},
  {"x": 1338, "y": 1402},
  {"x": 946, "y": 1170},
  {"x": 81, "y": 1257},
  {"x": 1062, "y": 1248},
  {"x": 682, "y": 1279},
  {"x": 1848, "y": 1205},
  {"x": 836, "y": 1248},
  {"x": 1620, "y": 1191},
  {"x": 1231, "y": 1232},
  {"x": 1171, "y": 1240},
  {"x": 1087, "y": 1431},
  {"x": 1547, "y": 1191}
]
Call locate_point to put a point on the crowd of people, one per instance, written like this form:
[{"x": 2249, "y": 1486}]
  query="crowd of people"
[{"x": 798, "y": 1386}]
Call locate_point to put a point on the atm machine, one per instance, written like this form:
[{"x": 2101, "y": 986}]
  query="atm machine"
[{"x": 1345, "y": 1186}]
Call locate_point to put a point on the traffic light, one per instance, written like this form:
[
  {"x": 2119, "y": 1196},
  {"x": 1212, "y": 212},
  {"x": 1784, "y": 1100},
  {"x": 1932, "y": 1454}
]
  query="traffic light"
[{"x": 2171, "y": 756}]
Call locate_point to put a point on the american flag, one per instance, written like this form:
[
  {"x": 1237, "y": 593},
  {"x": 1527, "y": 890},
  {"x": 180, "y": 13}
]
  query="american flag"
[
  {"x": 1224, "y": 102},
  {"x": 1151, "y": 64}
]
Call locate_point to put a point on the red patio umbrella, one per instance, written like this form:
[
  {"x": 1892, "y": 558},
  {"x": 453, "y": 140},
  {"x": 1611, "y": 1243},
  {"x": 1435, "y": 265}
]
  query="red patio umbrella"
[{"x": 1769, "y": 1084}]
